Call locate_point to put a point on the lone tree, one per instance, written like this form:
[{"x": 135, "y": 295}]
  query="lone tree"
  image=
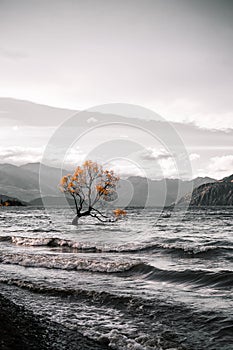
[{"x": 91, "y": 187}]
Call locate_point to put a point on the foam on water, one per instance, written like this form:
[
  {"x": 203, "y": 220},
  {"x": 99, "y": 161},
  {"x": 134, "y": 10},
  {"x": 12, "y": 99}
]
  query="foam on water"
[
  {"x": 190, "y": 248},
  {"x": 69, "y": 262}
]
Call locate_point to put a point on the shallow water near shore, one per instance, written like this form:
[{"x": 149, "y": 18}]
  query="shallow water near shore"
[{"x": 147, "y": 282}]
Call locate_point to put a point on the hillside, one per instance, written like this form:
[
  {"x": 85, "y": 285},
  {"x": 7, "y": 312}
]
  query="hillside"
[
  {"x": 146, "y": 192},
  {"x": 6, "y": 201},
  {"x": 49, "y": 201},
  {"x": 219, "y": 193},
  {"x": 23, "y": 182}
]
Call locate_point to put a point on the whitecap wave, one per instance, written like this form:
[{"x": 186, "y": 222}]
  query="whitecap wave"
[{"x": 69, "y": 262}]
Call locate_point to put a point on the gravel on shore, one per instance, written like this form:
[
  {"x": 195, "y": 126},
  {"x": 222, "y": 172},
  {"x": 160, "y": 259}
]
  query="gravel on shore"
[{"x": 20, "y": 329}]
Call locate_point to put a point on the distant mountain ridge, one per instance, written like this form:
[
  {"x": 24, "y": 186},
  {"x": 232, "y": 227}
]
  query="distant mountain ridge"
[
  {"x": 219, "y": 193},
  {"x": 164, "y": 192},
  {"x": 22, "y": 182},
  {"x": 9, "y": 201},
  {"x": 54, "y": 201}
]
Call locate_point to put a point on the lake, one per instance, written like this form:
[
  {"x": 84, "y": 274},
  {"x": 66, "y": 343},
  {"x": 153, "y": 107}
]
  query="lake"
[{"x": 145, "y": 282}]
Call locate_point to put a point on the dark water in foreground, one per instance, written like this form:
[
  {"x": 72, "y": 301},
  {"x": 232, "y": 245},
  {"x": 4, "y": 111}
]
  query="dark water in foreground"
[{"x": 144, "y": 283}]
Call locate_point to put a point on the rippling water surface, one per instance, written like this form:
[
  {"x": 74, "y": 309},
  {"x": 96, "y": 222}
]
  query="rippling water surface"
[{"x": 147, "y": 282}]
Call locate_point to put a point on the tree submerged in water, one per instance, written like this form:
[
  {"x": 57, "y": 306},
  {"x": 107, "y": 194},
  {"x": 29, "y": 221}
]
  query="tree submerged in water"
[{"x": 92, "y": 187}]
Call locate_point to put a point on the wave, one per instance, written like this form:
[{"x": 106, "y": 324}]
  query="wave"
[
  {"x": 82, "y": 293},
  {"x": 43, "y": 230},
  {"x": 170, "y": 247},
  {"x": 204, "y": 278},
  {"x": 204, "y": 251},
  {"x": 154, "y": 317},
  {"x": 69, "y": 262},
  {"x": 5, "y": 239},
  {"x": 124, "y": 267}
]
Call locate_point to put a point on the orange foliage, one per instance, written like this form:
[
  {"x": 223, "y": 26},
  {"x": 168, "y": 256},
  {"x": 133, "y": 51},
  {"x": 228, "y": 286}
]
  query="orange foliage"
[
  {"x": 119, "y": 212},
  {"x": 101, "y": 190},
  {"x": 87, "y": 175},
  {"x": 90, "y": 184}
]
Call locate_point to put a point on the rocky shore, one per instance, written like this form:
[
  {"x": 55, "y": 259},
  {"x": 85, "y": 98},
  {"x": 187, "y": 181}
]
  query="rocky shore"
[{"x": 22, "y": 330}]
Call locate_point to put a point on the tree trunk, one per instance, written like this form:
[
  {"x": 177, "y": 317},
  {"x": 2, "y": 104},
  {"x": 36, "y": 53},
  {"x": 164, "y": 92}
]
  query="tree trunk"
[{"x": 75, "y": 220}]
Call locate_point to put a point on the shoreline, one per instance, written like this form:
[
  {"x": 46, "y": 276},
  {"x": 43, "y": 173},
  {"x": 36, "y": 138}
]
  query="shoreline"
[{"x": 20, "y": 329}]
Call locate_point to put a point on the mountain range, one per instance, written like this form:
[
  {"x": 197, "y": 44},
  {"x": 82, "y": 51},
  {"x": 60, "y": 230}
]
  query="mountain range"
[
  {"x": 24, "y": 182},
  {"x": 23, "y": 121}
]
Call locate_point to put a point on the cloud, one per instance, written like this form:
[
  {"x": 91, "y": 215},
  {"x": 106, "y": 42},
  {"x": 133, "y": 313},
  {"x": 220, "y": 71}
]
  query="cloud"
[
  {"x": 162, "y": 164},
  {"x": 23, "y": 155},
  {"x": 20, "y": 155},
  {"x": 188, "y": 111},
  {"x": 169, "y": 168},
  {"x": 197, "y": 80},
  {"x": 151, "y": 163},
  {"x": 194, "y": 156},
  {"x": 155, "y": 154},
  {"x": 221, "y": 166},
  {"x": 74, "y": 157},
  {"x": 214, "y": 121},
  {"x": 218, "y": 167},
  {"x": 92, "y": 120},
  {"x": 126, "y": 168}
]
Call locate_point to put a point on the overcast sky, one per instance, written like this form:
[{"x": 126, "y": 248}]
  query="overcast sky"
[{"x": 174, "y": 57}]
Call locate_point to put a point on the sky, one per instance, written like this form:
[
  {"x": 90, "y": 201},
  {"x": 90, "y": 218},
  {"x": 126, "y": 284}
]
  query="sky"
[{"x": 174, "y": 57}]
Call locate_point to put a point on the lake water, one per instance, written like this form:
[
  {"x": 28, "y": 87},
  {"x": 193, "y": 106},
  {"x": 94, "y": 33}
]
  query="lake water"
[{"x": 146, "y": 282}]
